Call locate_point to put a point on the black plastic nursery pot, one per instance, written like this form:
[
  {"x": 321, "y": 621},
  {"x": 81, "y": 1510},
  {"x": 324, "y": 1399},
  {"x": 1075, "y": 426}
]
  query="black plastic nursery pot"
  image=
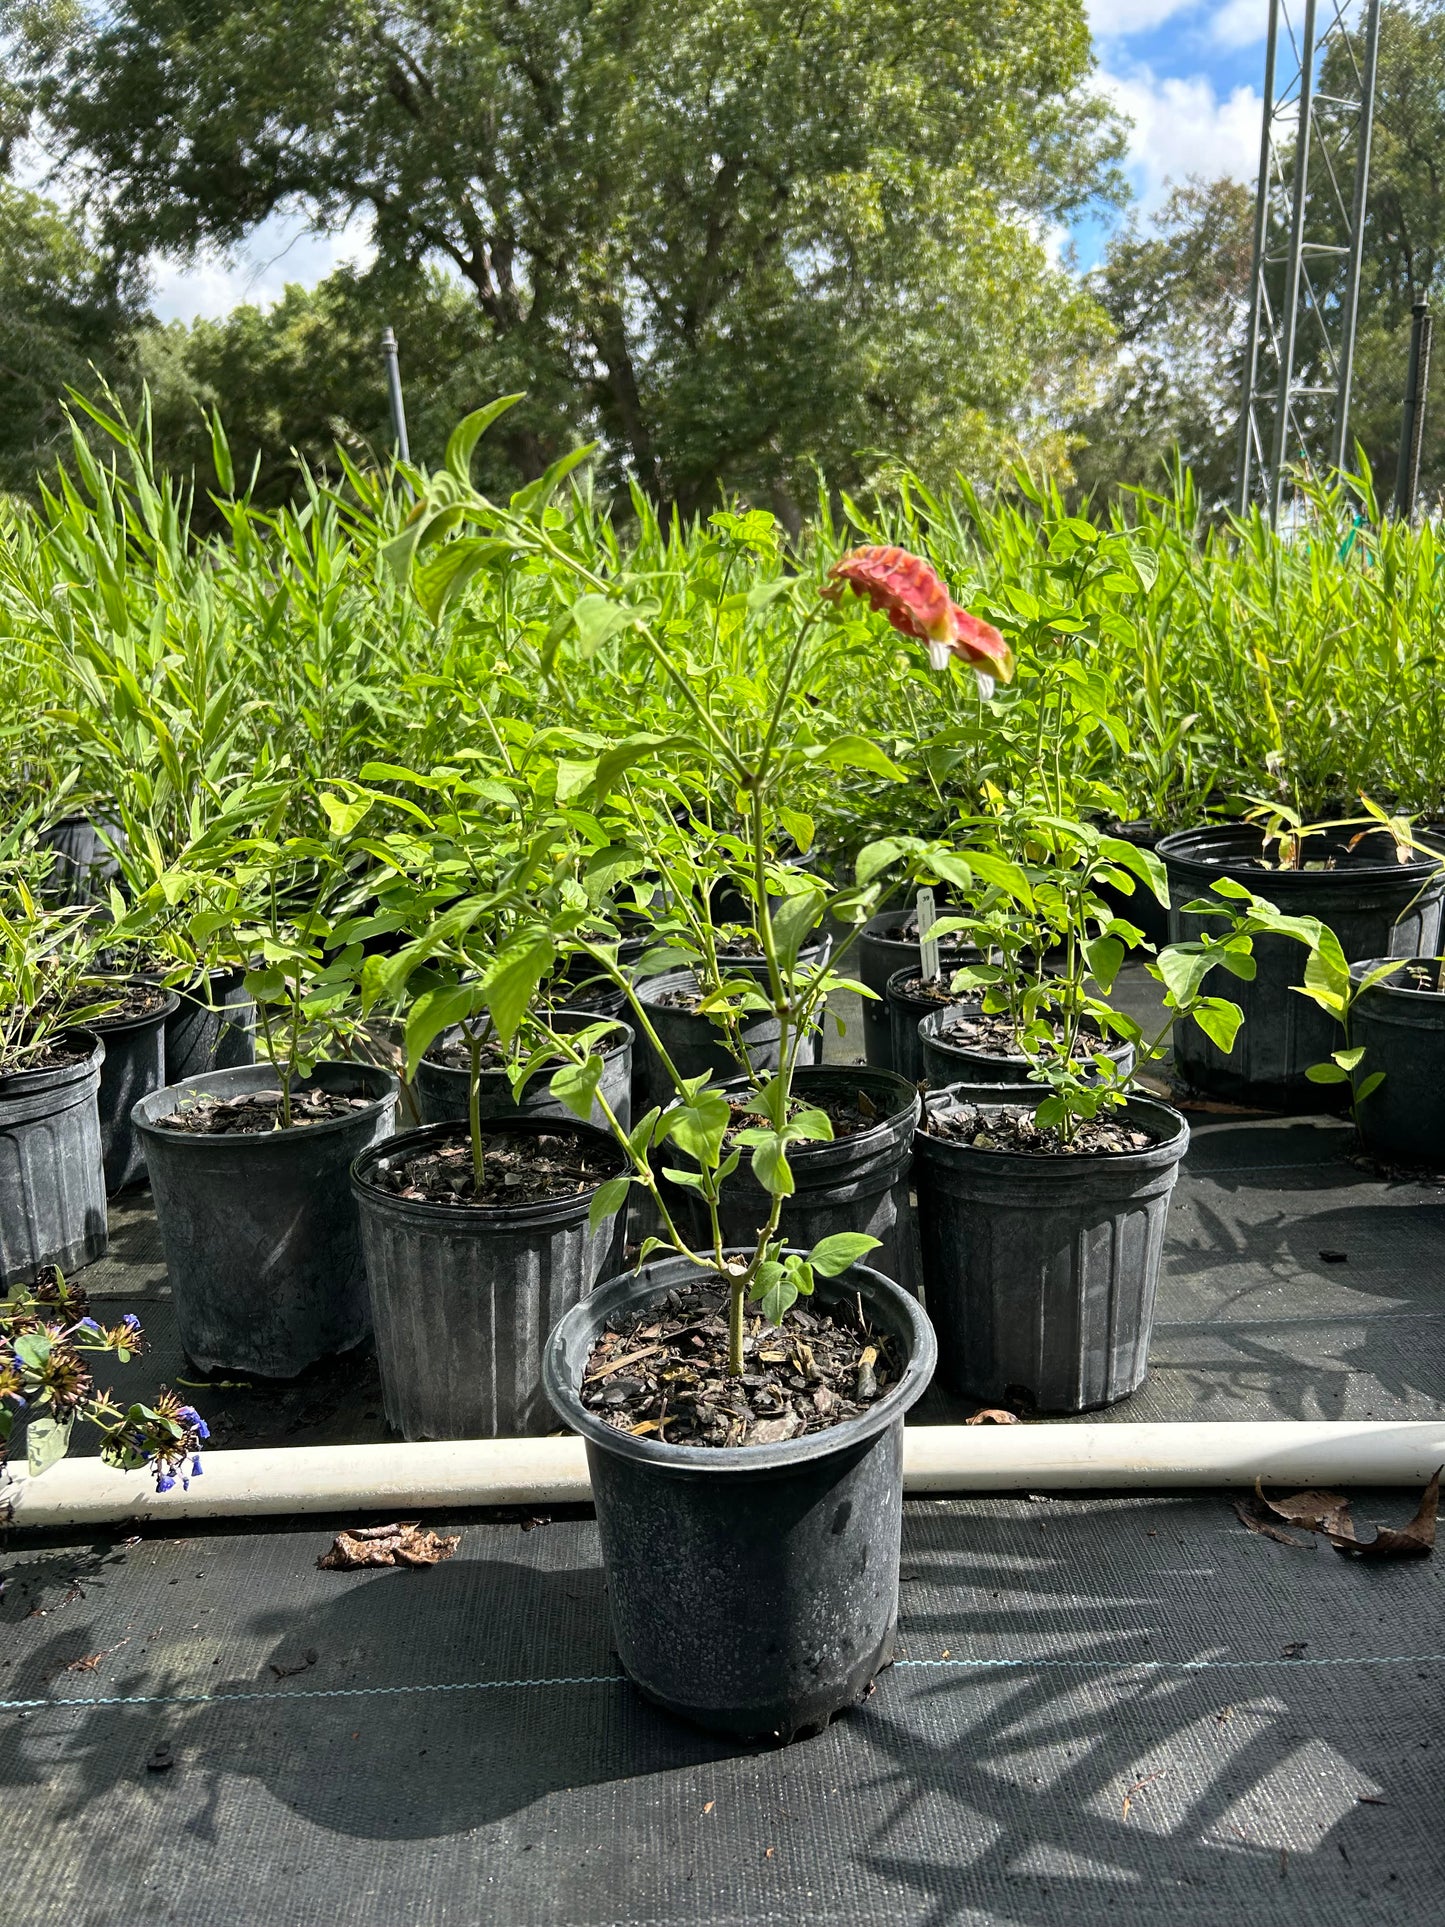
[
  {"x": 212, "y": 1028},
  {"x": 135, "y": 1065},
  {"x": 1376, "y": 906},
  {"x": 260, "y": 1231},
  {"x": 85, "y": 862},
  {"x": 857, "y": 1183},
  {"x": 696, "y": 1045},
  {"x": 441, "y": 1089},
  {"x": 52, "y": 1183},
  {"x": 1040, "y": 1273},
  {"x": 463, "y": 1298},
  {"x": 907, "y": 1010},
  {"x": 1402, "y": 1028},
  {"x": 753, "y": 1589},
  {"x": 881, "y": 954},
  {"x": 946, "y": 1061}
]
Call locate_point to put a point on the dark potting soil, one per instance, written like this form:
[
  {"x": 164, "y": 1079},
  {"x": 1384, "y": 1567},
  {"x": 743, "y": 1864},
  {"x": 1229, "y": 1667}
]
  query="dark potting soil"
[
  {"x": 934, "y": 990},
  {"x": 54, "y": 1057},
  {"x": 517, "y": 1169},
  {"x": 258, "y": 1111},
  {"x": 457, "y": 1057},
  {"x": 994, "y": 1036},
  {"x": 688, "y": 1000},
  {"x": 1011, "y": 1127},
  {"x": 848, "y": 1116},
  {"x": 663, "y": 1373},
  {"x": 129, "y": 1000}
]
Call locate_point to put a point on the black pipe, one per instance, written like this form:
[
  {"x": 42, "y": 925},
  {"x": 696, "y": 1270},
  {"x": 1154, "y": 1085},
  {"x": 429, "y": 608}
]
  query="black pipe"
[{"x": 1412, "y": 424}]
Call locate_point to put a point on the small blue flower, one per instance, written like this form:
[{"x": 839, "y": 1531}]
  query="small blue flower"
[
  {"x": 164, "y": 1482},
  {"x": 131, "y": 1320},
  {"x": 87, "y": 1325},
  {"x": 196, "y": 1466}
]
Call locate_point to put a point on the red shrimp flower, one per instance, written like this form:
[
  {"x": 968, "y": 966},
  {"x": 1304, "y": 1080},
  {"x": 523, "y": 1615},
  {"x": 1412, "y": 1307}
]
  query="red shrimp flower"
[{"x": 910, "y": 592}]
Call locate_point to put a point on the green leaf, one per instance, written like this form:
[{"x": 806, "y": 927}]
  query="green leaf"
[
  {"x": 575, "y": 1085},
  {"x": 696, "y": 1126},
  {"x": 771, "y": 1167},
  {"x": 856, "y": 752},
  {"x": 344, "y": 817},
  {"x": 795, "y": 918},
  {"x": 536, "y": 495},
  {"x": 1327, "y": 1074},
  {"x": 1183, "y": 968},
  {"x": 443, "y": 575},
  {"x": 1371, "y": 1083},
  {"x": 609, "y": 1199},
  {"x": 432, "y": 1013},
  {"x": 470, "y": 430},
  {"x": 832, "y": 1256},
  {"x": 512, "y": 981},
  {"x": 46, "y": 1441},
  {"x": 1219, "y": 1020},
  {"x": 1105, "y": 954},
  {"x": 574, "y": 777},
  {"x": 1348, "y": 1059},
  {"x": 799, "y": 826}
]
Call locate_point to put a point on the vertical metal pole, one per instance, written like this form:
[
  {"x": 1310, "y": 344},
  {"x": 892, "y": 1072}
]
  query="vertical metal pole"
[
  {"x": 1256, "y": 283},
  {"x": 1350, "y": 311},
  {"x": 1412, "y": 423},
  {"x": 1290, "y": 319},
  {"x": 393, "y": 384}
]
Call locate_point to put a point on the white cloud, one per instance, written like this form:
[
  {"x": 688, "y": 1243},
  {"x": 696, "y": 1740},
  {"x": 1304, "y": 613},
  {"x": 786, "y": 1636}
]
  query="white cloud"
[
  {"x": 1182, "y": 127},
  {"x": 1116, "y": 19},
  {"x": 280, "y": 250},
  {"x": 1239, "y": 23}
]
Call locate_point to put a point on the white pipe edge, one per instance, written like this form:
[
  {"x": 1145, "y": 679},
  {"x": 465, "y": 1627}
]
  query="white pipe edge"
[{"x": 940, "y": 1459}]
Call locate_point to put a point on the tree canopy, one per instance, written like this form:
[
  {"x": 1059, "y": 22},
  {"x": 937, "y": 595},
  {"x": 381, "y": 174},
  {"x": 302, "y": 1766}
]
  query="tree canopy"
[{"x": 732, "y": 239}]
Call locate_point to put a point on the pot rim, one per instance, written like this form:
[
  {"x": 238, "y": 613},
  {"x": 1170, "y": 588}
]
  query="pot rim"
[
  {"x": 588, "y": 1017},
  {"x": 621, "y": 1290},
  {"x": 117, "y": 1026},
  {"x": 92, "y": 1061},
  {"x": 1435, "y": 999},
  {"x": 1070, "y": 1161},
  {"x": 1248, "y": 838},
  {"x": 882, "y": 1127},
  {"x": 934, "y": 1028},
  {"x": 545, "y": 1211},
  {"x": 290, "y": 1134}
]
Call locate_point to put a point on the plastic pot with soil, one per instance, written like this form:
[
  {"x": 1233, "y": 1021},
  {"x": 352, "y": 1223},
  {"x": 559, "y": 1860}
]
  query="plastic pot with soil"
[
  {"x": 212, "y": 1028},
  {"x": 52, "y": 1181},
  {"x": 911, "y": 999},
  {"x": 752, "y": 1581},
  {"x": 1041, "y": 1263},
  {"x": 1400, "y": 1024},
  {"x": 698, "y": 1046},
  {"x": 887, "y": 944},
  {"x": 961, "y": 1045},
  {"x": 257, "y": 1218},
  {"x": 134, "y": 1067},
  {"x": 466, "y": 1285},
  {"x": 1376, "y": 906},
  {"x": 443, "y": 1077},
  {"x": 856, "y": 1182},
  {"x": 85, "y": 863}
]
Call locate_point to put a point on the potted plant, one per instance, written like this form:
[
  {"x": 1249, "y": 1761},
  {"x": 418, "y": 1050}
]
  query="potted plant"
[
  {"x": 750, "y": 1536},
  {"x": 46, "y": 1336},
  {"x": 1042, "y": 1205},
  {"x": 52, "y": 1185},
  {"x": 1370, "y": 879},
  {"x": 249, "y": 1166}
]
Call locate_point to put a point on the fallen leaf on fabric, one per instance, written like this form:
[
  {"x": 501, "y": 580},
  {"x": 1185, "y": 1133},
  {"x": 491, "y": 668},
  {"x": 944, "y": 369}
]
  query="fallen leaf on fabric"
[
  {"x": 1316, "y": 1511},
  {"x": 404, "y": 1544},
  {"x": 1138, "y": 1787},
  {"x": 308, "y": 1659},
  {"x": 991, "y": 1415},
  {"x": 1248, "y": 1514},
  {"x": 1414, "y": 1541}
]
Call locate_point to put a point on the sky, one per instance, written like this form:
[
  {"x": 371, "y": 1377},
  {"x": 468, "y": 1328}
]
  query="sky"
[{"x": 1187, "y": 73}]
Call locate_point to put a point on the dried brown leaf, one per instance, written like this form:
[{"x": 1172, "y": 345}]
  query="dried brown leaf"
[
  {"x": 1315, "y": 1510},
  {"x": 992, "y": 1415},
  {"x": 1414, "y": 1541},
  {"x": 395, "y": 1545},
  {"x": 1256, "y": 1521}
]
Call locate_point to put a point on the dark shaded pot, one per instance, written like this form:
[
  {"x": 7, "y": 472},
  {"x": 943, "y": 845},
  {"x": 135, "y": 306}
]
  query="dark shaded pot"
[
  {"x": 1375, "y": 906},
  {"x": 1143, "y": 909},
  {"x": 881, "y": 954},
  {"x": 441, "y": 1089},
  {"x": 906, "y": 1013},
  {"x": 212, "y": 1028},
  {"x": 753, "y": 1589},
  {"x": 260, "y": 1233},
  {"x": 696, "y": 1045},
  {"x": 463, "y": 1299},
  {"x": 1040, "y": 1272},
  {"x": 857, "y": 1183},
  {"x": 135, "y": 1065},
  {"x": 52, "y": 1184},
  {"x": 1403, "y": 1034},
  {"x": 85, "y": 865},
  {"x": 947, "y": 1062}
]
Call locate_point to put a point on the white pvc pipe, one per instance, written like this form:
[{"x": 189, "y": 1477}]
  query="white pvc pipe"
[{"x": 402, "y": 1479}]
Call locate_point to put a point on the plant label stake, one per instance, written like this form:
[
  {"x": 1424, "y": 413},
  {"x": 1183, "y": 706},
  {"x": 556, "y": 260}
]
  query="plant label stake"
[{"x": 928, "y": 946}]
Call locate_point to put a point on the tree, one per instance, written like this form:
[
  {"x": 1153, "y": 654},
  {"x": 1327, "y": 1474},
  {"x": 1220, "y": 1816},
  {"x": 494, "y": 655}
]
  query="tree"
[
  {"x": 65, "y": 310},
  {"x": 1176, "y": 296},
  {"x": 731, "y": 237}
]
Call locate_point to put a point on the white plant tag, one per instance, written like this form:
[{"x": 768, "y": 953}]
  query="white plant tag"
[{"x": 927, "y": 917}]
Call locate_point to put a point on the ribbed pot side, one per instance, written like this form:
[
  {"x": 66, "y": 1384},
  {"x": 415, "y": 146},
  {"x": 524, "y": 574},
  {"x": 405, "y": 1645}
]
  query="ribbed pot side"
[
  {"x": 212, "y": 1028},
  {"x": 1375, "y": 906},
  {"x": 260, "y": 1232},
  {"x": 52, "y": 1184},
  {"x": 753, "y": 1589},
  {"x": 441, "y": 1089},
  {"x": 135, "y": 1065},
  {"x": 696, "y": 1045},
  {"x": 464, "y": 1298},
  {"x": 1403, "y": 1035},
  {"x": 1040, "y": 1273}
]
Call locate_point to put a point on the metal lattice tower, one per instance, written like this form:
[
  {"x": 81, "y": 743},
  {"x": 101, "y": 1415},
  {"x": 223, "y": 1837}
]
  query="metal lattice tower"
[{"x": 1314, "y": 168}]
